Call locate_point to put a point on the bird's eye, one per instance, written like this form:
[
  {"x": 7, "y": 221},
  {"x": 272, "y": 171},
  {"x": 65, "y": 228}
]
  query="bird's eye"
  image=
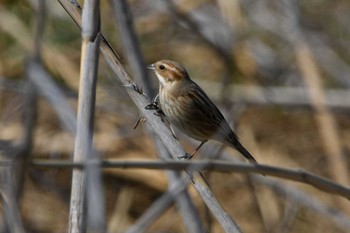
[{"x": 161, "y": 67}]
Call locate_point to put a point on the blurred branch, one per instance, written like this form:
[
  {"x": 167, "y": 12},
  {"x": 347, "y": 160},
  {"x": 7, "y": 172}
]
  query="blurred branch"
[
  {"x": 158, "y": 207},
  {"x": 130, "y": 45},
  {"x": 289, "y": 174},
  {"x": 281, "y": 96},
  {"x": 40, "y": 26},
  {"x": 184, "y": 203},
  {"x": 306, "y": 200},
  {"x": 286, "y": 23},
  {"x": 326, "y": 123},
  {"x": 248, "y": 94},
  {"x": 11, "y": 214},
  {"x": 7, "y": 84},
  {"x": 13, "y": 158},
  {"x": 232, "y": 14},
  {"x": 214, "y": 34},
  {"x": 293, "y": 192},
  {"x": 289, "y": 214},
  {"x": 329, "y": 60},
  {"x": 219, "y": 40},
  {"x": 55, "y": 59},
  {"x": 44, "y": 84},
  {"x": 119, "y": 218},
  {"x": 275, "y": 22},
  {"x": 16, "y": 157},
  {"x": 12, "y": 175}
]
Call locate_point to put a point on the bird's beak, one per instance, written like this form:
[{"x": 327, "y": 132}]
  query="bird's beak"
[{"x": 151, "y": 67}]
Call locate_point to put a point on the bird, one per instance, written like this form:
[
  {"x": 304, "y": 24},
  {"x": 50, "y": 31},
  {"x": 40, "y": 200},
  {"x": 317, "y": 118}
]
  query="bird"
[{"x": 188, "y": 108}]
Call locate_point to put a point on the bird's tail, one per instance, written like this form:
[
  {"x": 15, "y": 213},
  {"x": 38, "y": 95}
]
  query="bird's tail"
[
  {"x": 244, "y": 152},
  {"x": 231, "y": 139}
]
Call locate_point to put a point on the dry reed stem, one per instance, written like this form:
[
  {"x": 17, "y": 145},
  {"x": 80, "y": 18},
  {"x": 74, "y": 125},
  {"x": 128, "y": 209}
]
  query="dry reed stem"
[
  {"x": 310, "y": 73},
  {"x": 119, "y": 221},
  {"x": 326, "y": 123},
  {"x": 88, "y": 183}
]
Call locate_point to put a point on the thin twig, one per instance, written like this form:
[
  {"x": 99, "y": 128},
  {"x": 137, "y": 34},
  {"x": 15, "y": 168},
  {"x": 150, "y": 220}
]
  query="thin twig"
[{"x": 290, "y": 174}]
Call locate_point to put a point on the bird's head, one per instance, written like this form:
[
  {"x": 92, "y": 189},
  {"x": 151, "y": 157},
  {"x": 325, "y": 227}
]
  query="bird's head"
[{"x": 169, "y": 73}]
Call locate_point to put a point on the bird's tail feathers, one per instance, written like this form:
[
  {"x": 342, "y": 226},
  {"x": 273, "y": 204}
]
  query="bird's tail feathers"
[{"x": 244, "y": 152}]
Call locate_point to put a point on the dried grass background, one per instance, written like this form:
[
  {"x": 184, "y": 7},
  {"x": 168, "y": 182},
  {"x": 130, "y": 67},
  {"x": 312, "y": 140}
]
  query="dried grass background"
[{"x": 279, "y": 70}]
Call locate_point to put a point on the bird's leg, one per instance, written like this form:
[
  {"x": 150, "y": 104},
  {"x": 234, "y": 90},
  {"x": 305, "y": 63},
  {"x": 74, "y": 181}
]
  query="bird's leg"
[
  {"x": 172, "y": 131},
  {"x": 160, "y": 113},
  {"x": 163, "y": 118},
  {"x": 154, "y": 106},
  {"x": 195, "y": 151},
  {"x": 155, "y": 99},
  {"x": 187, "y": 156},
  {"x": 151, "y": 106}
]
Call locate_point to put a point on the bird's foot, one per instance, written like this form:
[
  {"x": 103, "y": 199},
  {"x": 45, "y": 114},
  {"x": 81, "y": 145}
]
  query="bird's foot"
[
  {"x": 185, "y": 157},
  {"x": 152, "y": 106},
  {"x": 136, "y": 88}
]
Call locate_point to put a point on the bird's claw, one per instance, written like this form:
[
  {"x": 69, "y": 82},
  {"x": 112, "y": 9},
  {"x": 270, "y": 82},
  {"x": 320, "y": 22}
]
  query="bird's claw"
[
  {"x": 163, "y": 118},
  {"x": 152, "y": 106},
  {"x": 185, "y": 157},
  {"x": 159, "y": 113},
  {"x": 135, "y": 87}
]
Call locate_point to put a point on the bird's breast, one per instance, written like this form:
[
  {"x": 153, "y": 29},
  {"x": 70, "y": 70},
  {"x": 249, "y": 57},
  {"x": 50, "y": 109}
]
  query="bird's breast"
[{"x": 180, "y": 113}]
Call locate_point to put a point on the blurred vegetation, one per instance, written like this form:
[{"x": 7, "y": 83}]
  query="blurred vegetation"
[{"x": 234, "y": 42}]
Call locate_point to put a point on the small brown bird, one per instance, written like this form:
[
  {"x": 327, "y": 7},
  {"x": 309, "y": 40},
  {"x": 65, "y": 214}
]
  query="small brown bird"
[{"x": 187, "y": 107}]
